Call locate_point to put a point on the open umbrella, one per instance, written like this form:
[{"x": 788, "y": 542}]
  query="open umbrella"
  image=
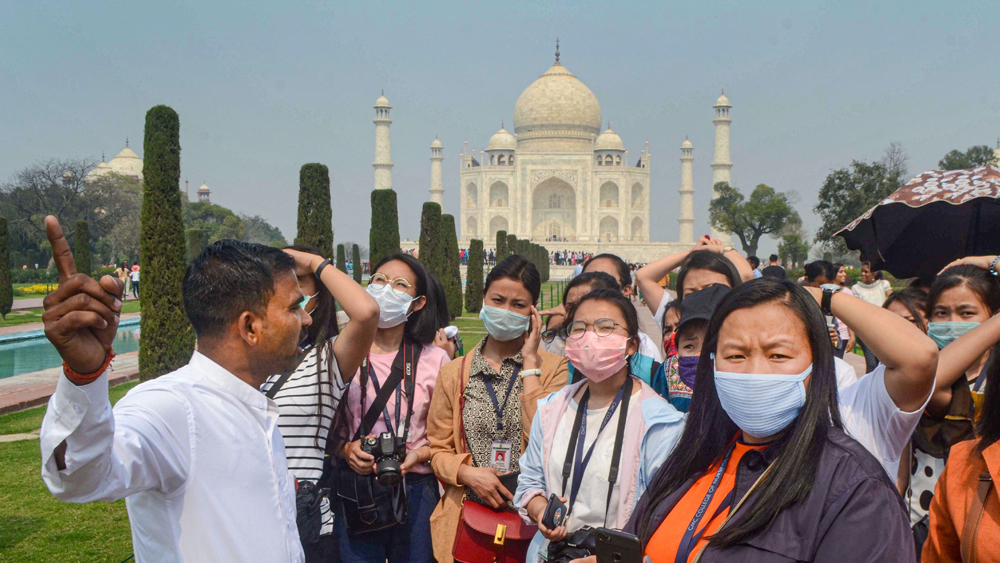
[{"x": 937, "y": 217}]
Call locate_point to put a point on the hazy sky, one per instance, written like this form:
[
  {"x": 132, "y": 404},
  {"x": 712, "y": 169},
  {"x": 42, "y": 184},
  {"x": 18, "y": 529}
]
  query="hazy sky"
[{"x": 264, "y": 87}]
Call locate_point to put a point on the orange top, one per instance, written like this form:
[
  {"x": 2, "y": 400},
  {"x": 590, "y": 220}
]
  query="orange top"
[{"x": 666, "y": 541}]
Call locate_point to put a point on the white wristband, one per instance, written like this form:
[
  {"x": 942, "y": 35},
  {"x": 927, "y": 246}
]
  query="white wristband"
[{"x": 530, "y": 372}]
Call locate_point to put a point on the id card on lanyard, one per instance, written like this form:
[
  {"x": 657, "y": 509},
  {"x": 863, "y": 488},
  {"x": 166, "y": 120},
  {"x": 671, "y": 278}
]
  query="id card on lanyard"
[{"x": 500, "y": 450}]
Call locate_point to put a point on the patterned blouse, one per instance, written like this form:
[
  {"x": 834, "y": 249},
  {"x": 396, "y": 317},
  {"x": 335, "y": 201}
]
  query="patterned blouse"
[{"x": 479, "y": 416}]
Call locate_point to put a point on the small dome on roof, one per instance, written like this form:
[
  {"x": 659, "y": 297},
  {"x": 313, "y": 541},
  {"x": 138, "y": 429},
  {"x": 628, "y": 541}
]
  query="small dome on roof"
[
  {"x": 382, "y": 101},
  {"x": 687, "y": 144},
  {"x": 502, "y": 140},
  {"x": 436, "y": 144},
  {"x": 203, "y": 188},
  {"x": 609, "y": 141},
  {"x": 722, "y": 101}
]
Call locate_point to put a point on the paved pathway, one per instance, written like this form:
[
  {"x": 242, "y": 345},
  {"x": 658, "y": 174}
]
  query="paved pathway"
[{"x": 32, "y": 389}]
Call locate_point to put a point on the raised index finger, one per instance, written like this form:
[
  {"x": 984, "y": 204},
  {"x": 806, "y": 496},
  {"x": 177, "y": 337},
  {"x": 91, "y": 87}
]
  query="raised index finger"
[{"x": 61, "y": 254}]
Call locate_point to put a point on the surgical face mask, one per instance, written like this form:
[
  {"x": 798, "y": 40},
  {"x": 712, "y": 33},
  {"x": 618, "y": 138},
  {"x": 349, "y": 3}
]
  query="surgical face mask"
[
  {"x": 946, "y": 332},
  {"x": 502, "y": 324},
  {"x": 761, "y": 404},
  {"x": 687, "y": 368},
  {"x": 394, "y": 305},
  {"x": 597, "y": 357},
  {"x": 305, "y": 301}
]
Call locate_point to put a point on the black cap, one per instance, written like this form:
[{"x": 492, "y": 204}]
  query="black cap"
[{"x": 701, "y": 305}]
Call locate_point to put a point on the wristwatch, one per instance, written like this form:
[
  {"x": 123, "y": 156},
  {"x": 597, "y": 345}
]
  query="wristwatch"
[
  {"x": 530, "y": 372},
  {"x": 726, "y": 249},
  {"x": 993, "y": 265},
  {"x": 825, "y": 302}
]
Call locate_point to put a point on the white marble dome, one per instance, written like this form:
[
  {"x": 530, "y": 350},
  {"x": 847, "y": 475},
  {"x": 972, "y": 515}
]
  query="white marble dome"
[
  {"x": 722, "y": 101},
  {"x": 502, "y": 140},
  {"x": 382, "y": 102},
  {"x": 557, "y": 101},
  {"x": 609, "y": 141},
  {"x": 437, "y": 144},
  {"x": 687, "y": 144},
  {"x": 126, "y": 163}
]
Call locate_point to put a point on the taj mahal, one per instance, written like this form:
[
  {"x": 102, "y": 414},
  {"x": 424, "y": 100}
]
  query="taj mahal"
[{"x": 558, "y": 179}]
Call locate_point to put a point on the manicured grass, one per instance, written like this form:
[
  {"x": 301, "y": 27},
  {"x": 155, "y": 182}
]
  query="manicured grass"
[
  {"x": 35, "y": 315},
  {"x": 34, "y": 526}
]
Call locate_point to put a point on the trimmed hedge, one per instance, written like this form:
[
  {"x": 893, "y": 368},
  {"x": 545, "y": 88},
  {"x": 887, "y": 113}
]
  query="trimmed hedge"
[
  {"x": 315, "y": 224},
  {"x": 341, "y": 258},
  {"x": 167, "y": 337},
  {"x": 356, "y": 263},
  {"x": 81, "y": 248},
  {"x": 474, "y": 277},
  {"x": 451, "y": 278},
  {"x": 431, "y": 248},
  {"x": 6, "y": 285},
  {"x": 501, "y": 245},
  {"x": 383, "y": 237}
]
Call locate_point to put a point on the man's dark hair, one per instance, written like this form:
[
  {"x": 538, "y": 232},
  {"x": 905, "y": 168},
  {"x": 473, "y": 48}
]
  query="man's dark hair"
[
  {"x": 754, "y": 261},
  {"x": 517, "y": 268},
  {"x": 624, "y": 276},
  {"x": 228, "y": 278},
  {"x": 819, "y": 268},
  {"x": 772, "y": 258}
]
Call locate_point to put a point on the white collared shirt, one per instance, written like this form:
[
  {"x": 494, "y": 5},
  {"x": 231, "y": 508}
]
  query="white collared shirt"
[{"x": 197, "y": 455}]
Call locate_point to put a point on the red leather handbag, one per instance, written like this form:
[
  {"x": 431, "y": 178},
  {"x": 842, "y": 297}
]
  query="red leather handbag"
[{"x": 487, "y": 536}]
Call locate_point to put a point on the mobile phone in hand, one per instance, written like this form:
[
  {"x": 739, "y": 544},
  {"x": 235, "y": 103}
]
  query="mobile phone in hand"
[
  {"x": 555, "y": 513},
  {"x": 614, "y": 546}
]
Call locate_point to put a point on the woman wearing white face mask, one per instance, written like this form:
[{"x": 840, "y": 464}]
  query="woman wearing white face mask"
[
  {"x": 309, "y": 396},
  {"x": 764, "y": 470},
  {"x": 482, "y": 408},
  {"x": 404, "y": 489},
  {"x": 596, "y": 443}
]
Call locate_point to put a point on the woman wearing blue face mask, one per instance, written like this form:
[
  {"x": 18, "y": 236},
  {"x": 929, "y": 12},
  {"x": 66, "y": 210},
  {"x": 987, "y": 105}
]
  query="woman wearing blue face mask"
[
  {"x": 764, "y": 470},
  {"x": 482, "y": 409},
  {"x": 309, "y": 396},
  {"x": 401, "y": 485}
]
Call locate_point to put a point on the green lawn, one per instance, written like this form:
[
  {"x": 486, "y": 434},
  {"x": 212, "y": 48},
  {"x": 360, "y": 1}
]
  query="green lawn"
[
  {"x": 34, "y": 526},
  {"x": 35, "y": 315}
]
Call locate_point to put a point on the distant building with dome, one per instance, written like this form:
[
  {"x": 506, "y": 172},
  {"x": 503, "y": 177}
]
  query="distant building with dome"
[
  {"x": 560, "y": 180},
  {"x": 126, "y": 163}
]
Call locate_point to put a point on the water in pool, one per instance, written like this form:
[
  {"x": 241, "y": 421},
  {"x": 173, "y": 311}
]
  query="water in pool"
[{"x": 37, "y": 353}]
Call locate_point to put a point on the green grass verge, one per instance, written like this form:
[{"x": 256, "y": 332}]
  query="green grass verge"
[
  {"x": 34, "y": 526},
  {"x": 26, "y": 316}
]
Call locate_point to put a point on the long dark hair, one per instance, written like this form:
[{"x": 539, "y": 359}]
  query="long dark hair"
[
  {"x": 915, "y": 301},
  {"x": 709, "y": 430},
  {"x": 988, "y": 426},
  {"x": 324, "y": 326},
  {"x": 596, "y": 280},
  {"x": 624, "y": 274},
  {"x": 707, "y": 260}
]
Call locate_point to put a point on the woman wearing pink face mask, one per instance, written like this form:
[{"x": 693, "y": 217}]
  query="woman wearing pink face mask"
[{"x": 594, "y": 444}]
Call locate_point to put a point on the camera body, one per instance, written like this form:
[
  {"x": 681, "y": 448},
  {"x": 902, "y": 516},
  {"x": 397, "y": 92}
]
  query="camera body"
[{"x": 389, "y": 452}]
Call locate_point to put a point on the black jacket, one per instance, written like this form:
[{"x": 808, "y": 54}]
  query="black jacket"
[
  {"x": 774, "y": 272},
  {"x": 853, "y": 513}
]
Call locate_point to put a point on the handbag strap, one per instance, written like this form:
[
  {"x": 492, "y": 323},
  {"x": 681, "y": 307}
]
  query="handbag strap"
[
  {"x": 975, "y": 517},
  {"x": 273, "y": 390}
]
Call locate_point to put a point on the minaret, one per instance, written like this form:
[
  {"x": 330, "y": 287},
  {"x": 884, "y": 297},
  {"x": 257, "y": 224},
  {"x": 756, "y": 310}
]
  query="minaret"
[
  {"x": 686, "y": 219},
  {"x": 383, "y": 158},
  {"x": 437, "y": 157},
  {"x": 721, "y": 165}
]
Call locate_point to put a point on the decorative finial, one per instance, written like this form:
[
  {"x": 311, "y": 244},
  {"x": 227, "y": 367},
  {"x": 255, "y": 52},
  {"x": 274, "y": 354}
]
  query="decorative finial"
[
  {"x": 609, "y": 125},
  {"x": 383, "y": 91},
  {"x": 723, "y": 91},
  {"x": 126, "y": 142},
  {"x": 501, "y": 124},
  {"x": 557, "y": 50},
  {"x": 102, "y": 156}
]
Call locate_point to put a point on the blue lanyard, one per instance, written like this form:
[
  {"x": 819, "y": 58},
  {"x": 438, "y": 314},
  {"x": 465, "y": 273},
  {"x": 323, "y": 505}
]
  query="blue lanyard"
[
  {"x": 581, "y": 461},
  {"x": 493, "y": 395},
  {"x": 385, "y": 409},
  {"x": 690, "y": 538}
]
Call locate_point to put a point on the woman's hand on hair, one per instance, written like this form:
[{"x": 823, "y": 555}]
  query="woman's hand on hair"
[
  {"x": 529, "y": 350},
  {"x": 305, "y": 263},
  {"x": 982, "y": 262}
]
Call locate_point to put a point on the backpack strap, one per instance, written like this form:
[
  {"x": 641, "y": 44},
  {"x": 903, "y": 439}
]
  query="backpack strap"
[{"x": 975, "y": 516}]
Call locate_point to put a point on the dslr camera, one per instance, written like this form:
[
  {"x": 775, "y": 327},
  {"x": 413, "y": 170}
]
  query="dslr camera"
[{"x": 389, "y": 452}]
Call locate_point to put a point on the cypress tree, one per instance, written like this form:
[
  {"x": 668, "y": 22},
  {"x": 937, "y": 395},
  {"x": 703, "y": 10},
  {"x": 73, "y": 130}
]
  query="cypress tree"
[
  {"x": 431, "y": 241},
  {"x": 451, "y": 278},
  {"x": 383, "y": 237},
  {"x": 501, "y": 245},
  {"x": 512, "y": 244},
  {"x": 341, "y": 258},
  {"x": 315, "y": 226},
  {"x": 6, "y": 284},
  {"x": 356, "y": 262},
  {"x": 81, "y": 250},
  {"x": 196, "y": 242},
  {"x": 474, "y": 277},
  {"x": 167, "y": 338}
]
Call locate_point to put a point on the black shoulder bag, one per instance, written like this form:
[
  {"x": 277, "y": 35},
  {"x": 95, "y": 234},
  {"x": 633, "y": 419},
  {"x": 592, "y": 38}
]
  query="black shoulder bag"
[
  {"x": 583, "y": 542},
  {"x": 367, "y": 505},
  {"x": 308, "y": 495}
]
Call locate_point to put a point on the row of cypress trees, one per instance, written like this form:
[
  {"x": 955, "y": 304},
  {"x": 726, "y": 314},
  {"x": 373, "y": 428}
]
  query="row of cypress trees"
[{"x": 438, "y": 250}]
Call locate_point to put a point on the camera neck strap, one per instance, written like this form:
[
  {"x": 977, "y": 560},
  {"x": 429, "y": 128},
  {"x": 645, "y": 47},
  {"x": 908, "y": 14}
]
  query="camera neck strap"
[
  {"x": 576, "y": 462},
  {"x": 403, "y": 368}
]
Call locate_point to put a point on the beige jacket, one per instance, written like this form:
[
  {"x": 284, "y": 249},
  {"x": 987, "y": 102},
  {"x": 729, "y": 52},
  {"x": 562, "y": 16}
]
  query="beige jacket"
[{"x": 448, "y": 451}]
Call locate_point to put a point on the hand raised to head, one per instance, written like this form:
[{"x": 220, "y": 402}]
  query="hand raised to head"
[{"x": 81, "y": 316}]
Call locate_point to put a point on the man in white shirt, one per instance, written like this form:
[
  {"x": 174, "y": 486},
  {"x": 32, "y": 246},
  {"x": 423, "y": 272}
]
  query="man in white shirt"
[{"x": 196, "y": 453}]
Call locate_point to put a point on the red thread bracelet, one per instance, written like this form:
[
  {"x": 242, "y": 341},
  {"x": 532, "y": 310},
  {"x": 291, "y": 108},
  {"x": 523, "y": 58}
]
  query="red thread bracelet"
[{"x": 81, "y": 378}]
